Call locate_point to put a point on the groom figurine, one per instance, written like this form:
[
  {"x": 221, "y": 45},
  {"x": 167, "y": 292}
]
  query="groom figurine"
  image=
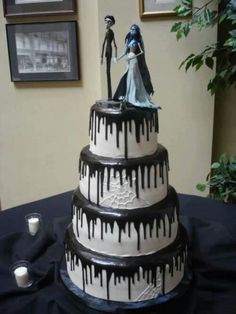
[{"x": 107, "y": 46}]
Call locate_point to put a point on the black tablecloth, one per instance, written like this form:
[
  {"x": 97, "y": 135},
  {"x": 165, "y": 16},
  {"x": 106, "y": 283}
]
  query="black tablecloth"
[{"x": 211, "y": 226}]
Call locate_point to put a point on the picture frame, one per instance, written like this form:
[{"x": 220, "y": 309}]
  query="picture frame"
[
  {"x": 43, "y": 51},
  {"x": 157, "y": 8},
  {"x": 25, "y": 8}
]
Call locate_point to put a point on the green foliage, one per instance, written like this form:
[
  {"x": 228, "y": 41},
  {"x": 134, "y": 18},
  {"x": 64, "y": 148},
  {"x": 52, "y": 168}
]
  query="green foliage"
[
  {"x": 221, "y": 55},
  {"x": 221, "y": 179}
]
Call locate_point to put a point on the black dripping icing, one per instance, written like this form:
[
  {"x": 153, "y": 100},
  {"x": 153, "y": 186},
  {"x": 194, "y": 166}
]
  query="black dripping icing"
[
  {"x": 76, "y": 253},
  {"x": 161, "y": 213},
  {"x": 122, "y": 119},
  {"x": 97, "y": 165}
]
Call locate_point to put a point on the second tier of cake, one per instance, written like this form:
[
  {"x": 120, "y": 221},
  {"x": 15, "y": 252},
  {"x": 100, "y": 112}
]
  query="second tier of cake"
[{"x": 124, "y": 183}]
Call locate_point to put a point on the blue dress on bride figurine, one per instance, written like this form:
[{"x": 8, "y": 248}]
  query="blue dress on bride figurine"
[{"x": 133, "y": 87}]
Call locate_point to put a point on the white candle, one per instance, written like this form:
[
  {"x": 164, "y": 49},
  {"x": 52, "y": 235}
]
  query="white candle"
[
  {"x": 33, "y": 223},
  {"x": 22, "y": 276}
]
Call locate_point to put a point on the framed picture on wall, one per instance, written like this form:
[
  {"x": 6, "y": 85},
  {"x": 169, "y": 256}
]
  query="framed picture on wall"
[
  {"x": 20, "y": 8},
  {"x": 157, "y": 8},
  {"x": 43, "y": 51}
]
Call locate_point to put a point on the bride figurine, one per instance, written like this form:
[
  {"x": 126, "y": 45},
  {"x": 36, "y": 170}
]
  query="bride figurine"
[
  {"x": 135, "y": 34},
  {"x": 131, "y": 88}
]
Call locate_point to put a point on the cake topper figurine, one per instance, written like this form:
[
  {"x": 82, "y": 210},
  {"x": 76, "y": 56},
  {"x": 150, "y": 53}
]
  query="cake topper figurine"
[
  {"x": 107, "y": 46},
  {"x": 135, "y": 86}
]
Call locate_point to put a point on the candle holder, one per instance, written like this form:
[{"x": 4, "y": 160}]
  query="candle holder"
[
  {"x": 22, "y": 273},
  {"x": 33, "y": 222}
]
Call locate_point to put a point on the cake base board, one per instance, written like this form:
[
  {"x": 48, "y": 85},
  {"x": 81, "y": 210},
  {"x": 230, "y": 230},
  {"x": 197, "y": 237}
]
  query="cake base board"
[{"x": 113, "y": 306}]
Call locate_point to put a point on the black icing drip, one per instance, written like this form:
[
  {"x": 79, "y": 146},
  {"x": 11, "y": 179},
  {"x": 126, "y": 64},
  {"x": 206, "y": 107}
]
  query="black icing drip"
[
  {"x": 161, "y": 213},
  {"x": 143, "y": 118},
  {"x": 174, "y": 256},
  {"x": 132, "y": 167}
]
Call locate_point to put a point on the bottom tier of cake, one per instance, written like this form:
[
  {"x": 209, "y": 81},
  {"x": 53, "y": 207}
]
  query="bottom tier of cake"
[{"x": 126, "y": 279}]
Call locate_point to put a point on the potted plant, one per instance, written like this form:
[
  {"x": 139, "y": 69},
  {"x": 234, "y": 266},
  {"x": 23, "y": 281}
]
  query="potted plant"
[{"x": 221, "y": 179}]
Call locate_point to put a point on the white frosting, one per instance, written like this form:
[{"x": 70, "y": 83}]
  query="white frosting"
[
  {"x": 108, "y": 148},
  {"x": 124, "y": 196},
  {"x": 140, "y": 289},
  {"x": 172, "y": 282},
  {"x": 110, "y": 244}
]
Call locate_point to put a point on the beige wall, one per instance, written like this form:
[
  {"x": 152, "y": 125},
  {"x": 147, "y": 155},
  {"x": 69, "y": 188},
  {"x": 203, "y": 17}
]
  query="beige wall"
[
  {"x": 225, "y": 123},
  {"x": 43, "y": 126}
]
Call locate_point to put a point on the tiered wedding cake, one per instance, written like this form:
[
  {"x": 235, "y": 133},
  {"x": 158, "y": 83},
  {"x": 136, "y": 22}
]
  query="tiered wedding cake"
[{"x": 125, "y": 242}]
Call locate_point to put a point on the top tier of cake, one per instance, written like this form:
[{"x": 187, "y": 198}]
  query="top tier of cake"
[{"x": 118, "y": 133}]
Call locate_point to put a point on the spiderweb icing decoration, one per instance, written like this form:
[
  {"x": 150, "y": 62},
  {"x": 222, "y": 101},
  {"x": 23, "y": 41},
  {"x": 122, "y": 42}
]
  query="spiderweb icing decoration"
[
  {"x": 152, "y": 291},
  {"x": 123, "y": 196}
]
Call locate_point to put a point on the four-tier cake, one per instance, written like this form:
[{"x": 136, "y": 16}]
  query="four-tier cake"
[{"x": 125, "y": 242}]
